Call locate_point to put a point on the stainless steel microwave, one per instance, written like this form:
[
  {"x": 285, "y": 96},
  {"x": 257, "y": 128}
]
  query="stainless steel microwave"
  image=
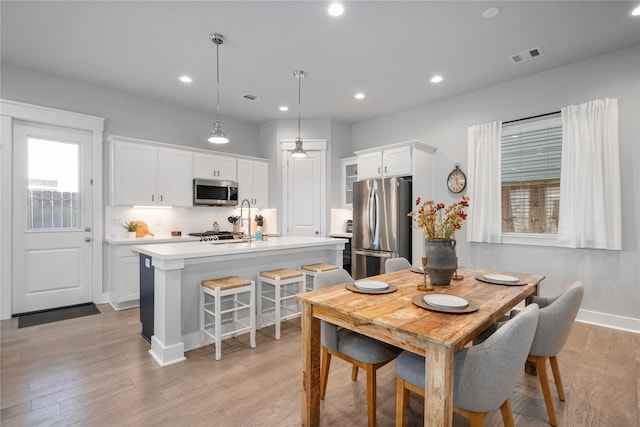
[{"x": 213, "y": 192}]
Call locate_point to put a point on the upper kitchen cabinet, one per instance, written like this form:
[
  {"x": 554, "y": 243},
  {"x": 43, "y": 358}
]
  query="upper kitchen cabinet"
[
  {"x": 215, "y": 167},
  {"x": 384, "y": 163},
  {"x": 349, "y": 168},
  {"x": 253, "y": 182},
  {"x": 149, "y": 175}
]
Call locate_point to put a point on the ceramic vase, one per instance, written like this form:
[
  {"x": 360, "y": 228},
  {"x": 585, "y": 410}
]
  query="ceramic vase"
[{"x": 442, "y": 261}]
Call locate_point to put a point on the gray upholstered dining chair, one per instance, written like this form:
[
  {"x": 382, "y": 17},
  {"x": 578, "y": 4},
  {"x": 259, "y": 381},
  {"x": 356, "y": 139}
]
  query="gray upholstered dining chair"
[
  {"x": 557, "y": 315},
  {"x": 396, "y": 264},
  {"x": 484, "y": 375},
  {"x": 554, "y": 325},
  {"x": 359, "y": 350}
]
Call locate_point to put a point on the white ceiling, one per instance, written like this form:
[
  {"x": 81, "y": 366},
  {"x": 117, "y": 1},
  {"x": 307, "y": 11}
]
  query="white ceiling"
[{"x": 386, "y": 49}]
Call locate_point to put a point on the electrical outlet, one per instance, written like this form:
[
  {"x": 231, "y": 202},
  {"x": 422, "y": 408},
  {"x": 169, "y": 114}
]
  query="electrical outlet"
[{"x": 117, "y": 221}]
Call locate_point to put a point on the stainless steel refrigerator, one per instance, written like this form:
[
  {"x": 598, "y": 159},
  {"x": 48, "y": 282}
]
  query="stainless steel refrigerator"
[{"x": 381, "y": 227}]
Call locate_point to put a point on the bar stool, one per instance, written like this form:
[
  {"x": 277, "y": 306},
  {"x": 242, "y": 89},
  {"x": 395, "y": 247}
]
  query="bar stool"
[
  {"x": 310, "y": 270},
  {"x": 217, "y": 289},
  {"x": 286, "y": 284}
]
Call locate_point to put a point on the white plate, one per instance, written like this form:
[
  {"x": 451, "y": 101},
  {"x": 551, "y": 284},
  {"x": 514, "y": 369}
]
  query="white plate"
[
  {"x": 445, "y": 301},
  {"x": 371, "y": 285},
  {"x": 501, "y": 277}
]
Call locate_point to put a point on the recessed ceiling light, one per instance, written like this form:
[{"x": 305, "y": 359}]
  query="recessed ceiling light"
[
  {"x": 335, "y": 9},
  {"x": 359, "y": 95},
  {"x": 636, "y": 11},
  {"x": 436, "y": 79},
  {"x": 284, "y": 108},
  {"x": 492, "y": 12},
  {"x": 186, "y": 79}
]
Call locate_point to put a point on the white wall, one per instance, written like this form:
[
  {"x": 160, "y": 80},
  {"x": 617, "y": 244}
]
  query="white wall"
[
  {"x": 339, "y": 148},
  {"x": 612, "y": 278},
  {"x": 128, "y": 114}
]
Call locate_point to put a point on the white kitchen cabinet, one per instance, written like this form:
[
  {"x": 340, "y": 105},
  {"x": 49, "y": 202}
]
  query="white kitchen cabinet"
[
  {"x": 369, "y": 165},
  {"x": 123, "y": 270},
  {"x": 385, "y": 163},
  {"x": 174, "y": 177},
  {"x": 148, "y": 175},
  {"x": 397, "y": 161},
  {"x": 253, "y": 182},
  {"x": 123, "y": 277},
  {"x": 349, "y": 169},
  {"x": 215, "y": 167}
]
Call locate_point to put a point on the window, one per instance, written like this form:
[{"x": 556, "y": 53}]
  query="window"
[
  {"x": 53, "y": 171},
  {"x": 531, "y": 152}
]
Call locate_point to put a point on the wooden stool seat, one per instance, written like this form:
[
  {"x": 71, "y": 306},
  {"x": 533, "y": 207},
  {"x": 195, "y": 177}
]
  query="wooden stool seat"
[
  {"x": 228, "y": 282},
  {"x": 312, "y": 269},
  {"x": 241, "y": 296},
  {"x": 317, "y": 268},
  {"x": 281, "y": 273},
  {"x": 286, "y": 284}
]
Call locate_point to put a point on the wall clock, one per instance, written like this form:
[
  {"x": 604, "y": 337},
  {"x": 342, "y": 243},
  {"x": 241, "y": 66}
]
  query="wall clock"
[{"x": 457, "y": 181}]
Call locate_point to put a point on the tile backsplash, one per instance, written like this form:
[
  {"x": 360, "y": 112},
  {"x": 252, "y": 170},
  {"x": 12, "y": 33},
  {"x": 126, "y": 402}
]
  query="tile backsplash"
[
  {"x": 339, "y": 219},
  {"x": 162, "y": 222}
]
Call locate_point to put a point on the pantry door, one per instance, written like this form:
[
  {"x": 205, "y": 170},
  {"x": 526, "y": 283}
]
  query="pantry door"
[
  {"x": 305, "y": 192},
  {"x": 52, "y": 214}
]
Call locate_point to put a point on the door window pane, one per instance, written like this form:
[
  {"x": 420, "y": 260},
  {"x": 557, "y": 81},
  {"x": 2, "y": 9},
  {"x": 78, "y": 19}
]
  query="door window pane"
[{"x": 53, "y": 183}]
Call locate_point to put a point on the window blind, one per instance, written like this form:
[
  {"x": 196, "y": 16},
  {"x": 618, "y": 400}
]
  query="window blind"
[{"x": 531, "y": 153}]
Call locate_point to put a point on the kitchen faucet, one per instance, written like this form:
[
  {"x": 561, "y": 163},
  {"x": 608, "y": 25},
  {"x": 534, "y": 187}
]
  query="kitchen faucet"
[{"x": 242, "y": 218}]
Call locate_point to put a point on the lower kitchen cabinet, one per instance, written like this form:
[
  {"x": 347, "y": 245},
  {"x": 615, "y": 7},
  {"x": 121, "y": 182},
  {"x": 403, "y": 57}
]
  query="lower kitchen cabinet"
[
  {"x": 123, "y": 270},
  {"x": 123, "y": 273}
]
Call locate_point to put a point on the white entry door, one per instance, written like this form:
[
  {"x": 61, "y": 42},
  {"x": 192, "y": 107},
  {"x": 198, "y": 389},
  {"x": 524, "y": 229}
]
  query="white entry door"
[
  {"x": 52, "y": 211},
  {"x": 304, "y": 190}
]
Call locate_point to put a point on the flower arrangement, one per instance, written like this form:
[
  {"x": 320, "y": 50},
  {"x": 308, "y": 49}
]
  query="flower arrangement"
[{"x": 437, "y": 221}]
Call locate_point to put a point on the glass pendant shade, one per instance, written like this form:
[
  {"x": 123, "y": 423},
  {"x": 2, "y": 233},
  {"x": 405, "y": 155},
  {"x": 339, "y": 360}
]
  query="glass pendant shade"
[{"x": 218, "y": 135}]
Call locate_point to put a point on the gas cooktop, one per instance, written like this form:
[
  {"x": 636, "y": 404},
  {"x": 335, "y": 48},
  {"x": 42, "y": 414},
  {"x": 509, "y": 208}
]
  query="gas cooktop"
[{"x": 218, "y": 236}]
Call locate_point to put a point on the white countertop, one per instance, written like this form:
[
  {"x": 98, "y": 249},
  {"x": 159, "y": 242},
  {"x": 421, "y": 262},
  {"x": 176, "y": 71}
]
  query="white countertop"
[
  {"x": 346, "y": 235},
  {"x": 150, "y": 239},
  {"x": 172, "y": 251}
]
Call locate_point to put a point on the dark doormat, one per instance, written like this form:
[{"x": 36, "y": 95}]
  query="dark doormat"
[{"x": 56, "y": 314}]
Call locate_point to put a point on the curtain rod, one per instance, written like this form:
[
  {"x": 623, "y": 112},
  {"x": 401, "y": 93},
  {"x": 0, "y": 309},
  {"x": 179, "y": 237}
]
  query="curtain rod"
[{"x": 532, "y": 117}]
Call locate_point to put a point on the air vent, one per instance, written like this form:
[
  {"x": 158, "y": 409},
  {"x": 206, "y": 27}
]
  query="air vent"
[
  {"x": 526, "y": 55},
  {"x": 249, "y": 97}
]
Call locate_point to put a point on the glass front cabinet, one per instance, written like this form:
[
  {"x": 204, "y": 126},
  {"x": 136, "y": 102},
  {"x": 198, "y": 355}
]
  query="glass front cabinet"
[{"x": 349, "y": 176}]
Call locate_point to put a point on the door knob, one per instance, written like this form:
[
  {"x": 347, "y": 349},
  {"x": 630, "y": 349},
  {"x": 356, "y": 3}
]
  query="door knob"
[
  {"x": 317, "y": 232},
  {"x": 87, "y": 229},
  {"x": 87, "y": 239}
]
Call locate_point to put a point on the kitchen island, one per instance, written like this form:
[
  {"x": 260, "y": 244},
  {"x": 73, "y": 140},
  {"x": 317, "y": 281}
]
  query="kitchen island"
[{"x": 178, "y": 269}]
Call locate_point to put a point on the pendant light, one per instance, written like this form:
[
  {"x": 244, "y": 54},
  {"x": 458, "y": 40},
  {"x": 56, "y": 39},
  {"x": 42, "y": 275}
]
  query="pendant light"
[
  {"x": 299, "y": 151},
  {"x": 218, "y": 135}
]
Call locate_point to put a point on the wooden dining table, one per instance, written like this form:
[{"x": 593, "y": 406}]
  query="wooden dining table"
[{"x": 395, "y": 319}]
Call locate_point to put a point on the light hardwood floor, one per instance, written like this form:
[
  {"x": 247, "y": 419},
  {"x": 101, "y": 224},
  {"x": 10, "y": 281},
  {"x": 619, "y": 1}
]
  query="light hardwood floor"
[{"x": 95, "y": 371}]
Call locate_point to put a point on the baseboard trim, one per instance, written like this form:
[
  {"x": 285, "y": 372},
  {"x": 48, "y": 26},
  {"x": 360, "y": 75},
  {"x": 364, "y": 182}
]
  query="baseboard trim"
[
  {"x": 605, "y": 320},
  {"x": 613, "y": 321}
]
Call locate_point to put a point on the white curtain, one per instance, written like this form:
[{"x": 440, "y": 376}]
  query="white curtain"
[
  {"x": 485, "y": 215},
  {"x": 590, "y": 196}
]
